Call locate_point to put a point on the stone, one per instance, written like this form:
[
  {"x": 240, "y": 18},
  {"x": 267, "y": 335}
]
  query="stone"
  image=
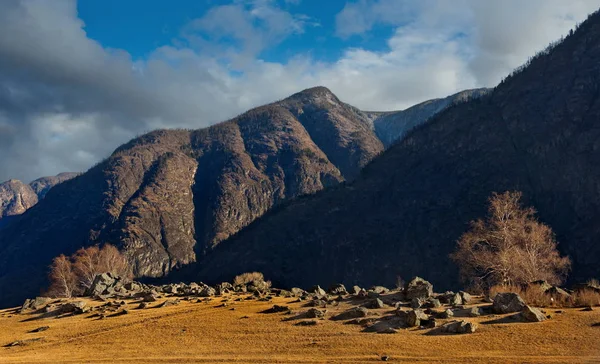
[
  {"x": 558, "y": 293},
  {"x": 307, "y": 323},
  {"x": 433, "y": 303},
  {"x": 40, "y": 329},
  {"x": 459, "y": 327},
  {"x": 531, "y": 314},
  {"x": 356, "y": 312},
  {"x": 277, "y": 309},
  {"x": 35, "y": 303},
  {"x": 207, "y": 292},
  {"x": 75, "y": 307},
  {"x": 317, "y": 303},
  {"x": 298, "y": 292},
  {"x": 414, "y": 317},
  {"x": 456, "y": 300},
  {"x": 466, "y": 297},
  {"x": 143, "y": 305},
  {"x": 338, "y": 289},
  {"x": 373, "y": 294},
  {"x": 418, "y": 288},
  {"x": 315, "y": 313},
  {"x": 379, "y": 289},
  {"x": 446, "y": 314},
  {"x": 416, "y": 303},
  {"x": 168, "y": 303},
  {"x": 355, "y": 290},
  {"x": 541, "y": 284},
  {"x": 101, "y": 285},
  {"x": 508, "y": 303},
  {"x": 375, "y": 304},
  {"x": 318, "y": 291}
]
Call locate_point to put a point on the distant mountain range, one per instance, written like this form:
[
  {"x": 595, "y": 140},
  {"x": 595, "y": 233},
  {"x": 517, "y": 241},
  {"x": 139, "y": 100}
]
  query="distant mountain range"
[
  {"x": 17, "y": 197},
  {"x": 305, "y": 191}
]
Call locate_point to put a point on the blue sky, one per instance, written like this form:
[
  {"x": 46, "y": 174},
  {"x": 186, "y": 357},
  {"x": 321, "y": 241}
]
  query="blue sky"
[{"x": 80, "y": 77}]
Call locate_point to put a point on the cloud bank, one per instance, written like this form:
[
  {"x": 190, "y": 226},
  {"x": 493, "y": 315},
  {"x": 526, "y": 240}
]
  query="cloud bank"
[{"x": 66, "y": 101}]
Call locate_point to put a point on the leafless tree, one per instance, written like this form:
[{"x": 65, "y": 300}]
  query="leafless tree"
[
  {"x": 62, "y": 277},
  {"x": 510, "y": 247}
]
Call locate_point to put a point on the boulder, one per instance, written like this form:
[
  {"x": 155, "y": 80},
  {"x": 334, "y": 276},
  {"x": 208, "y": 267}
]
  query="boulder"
[
  {"x": 35, "y": 303},
  {"x": 531, "y": 314},
  {"x": 433, "y": 303},
  {"x": 315, "y": 313},
  {"x": 75, "y": 307},
  {"x": 101, "y": 285},
  {"x": 418, "y": 288},
  {"x": 466, "y": 297},
  {"x": 541, "y": 284},
  {"x": 298, "y": 292},
  {"x": 375, "y": 304},
  {"x": 379, "y": 290},
  {"x": 338, "y": 289},
  {"x": 459, "y": 327},
  {"x": 508, "y": 303},
  {"x": 446, "y": 314},
  {"x": 416, "y": 303},
  {"x": 414, "y": 317},
  {"x": 355, "y": 290},
  {"x": 318, "y": 291},
  {"x": 356, "y": 312},
  {"x": 207, "y": 292},
  {"x": 277, "y": 309},
  {"x": 558, "y": 293}
]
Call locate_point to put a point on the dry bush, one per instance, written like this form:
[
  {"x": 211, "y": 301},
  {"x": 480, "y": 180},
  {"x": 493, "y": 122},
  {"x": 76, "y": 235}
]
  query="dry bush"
[
  {"x": 594, "y": 283},
  {"x": 586, "y": 297},
  {"x": 250, "y": 277},
  {"x": 70, "y": 276},
  {"x": 62, "y": 277},
  {"x": 400, "y": 283},
  {"x": 510, "y": 247}
]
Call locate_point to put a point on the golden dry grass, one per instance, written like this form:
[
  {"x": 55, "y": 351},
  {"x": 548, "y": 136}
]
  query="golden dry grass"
[{"x": 202, "y": 332}]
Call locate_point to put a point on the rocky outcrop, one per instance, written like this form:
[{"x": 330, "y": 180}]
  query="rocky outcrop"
[
  {"x": 536, "y": 133},
  {"x": 16, "y": 198},
  {"x": 41, "y": 186}
]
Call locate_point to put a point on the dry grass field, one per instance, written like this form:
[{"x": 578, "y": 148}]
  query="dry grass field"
[{"x": 203, "y": 332}]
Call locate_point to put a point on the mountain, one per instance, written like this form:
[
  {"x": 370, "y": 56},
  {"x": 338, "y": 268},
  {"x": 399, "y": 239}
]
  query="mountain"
[
  {"x": 169, "y": 197},
  {"x": 392, "y": 126},
  {"x": 537, "y": 132},
  {"x": 17, "y": 197},
  {"x": 41, "y": 186}
]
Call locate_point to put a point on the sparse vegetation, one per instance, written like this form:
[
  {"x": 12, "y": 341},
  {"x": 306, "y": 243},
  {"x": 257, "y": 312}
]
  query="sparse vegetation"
[
  {"x": 247, "y": 278},
  {"x": 535, "y": 296},
  {"x": 71, "y": 276},
  {"x": 509, "y": 248}
]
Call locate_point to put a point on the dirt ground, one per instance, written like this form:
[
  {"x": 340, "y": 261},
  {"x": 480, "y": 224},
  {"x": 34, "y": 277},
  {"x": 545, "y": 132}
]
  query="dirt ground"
[{"x": 203, "y": 332}]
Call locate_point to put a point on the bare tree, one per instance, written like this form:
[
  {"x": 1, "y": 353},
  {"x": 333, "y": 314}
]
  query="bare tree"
[
  {"x": 509, "y": 247},
  {"x": 64, "y": 281},
  {"x": 73, "y": 275}
]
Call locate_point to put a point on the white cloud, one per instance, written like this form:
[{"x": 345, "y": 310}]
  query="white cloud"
[{"x": 66, "y": 102}]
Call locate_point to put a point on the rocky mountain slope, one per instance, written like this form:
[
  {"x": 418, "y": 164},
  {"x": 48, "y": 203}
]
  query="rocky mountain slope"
[
  {"x": 537, "y": 132},
  {"x": 17, "y": 197},
  {"x": 169, "y": 197},
  {"x": 392, "y": 126}
]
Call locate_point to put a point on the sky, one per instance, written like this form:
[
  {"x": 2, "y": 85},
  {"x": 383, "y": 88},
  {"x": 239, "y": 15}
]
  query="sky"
[{"x": 79, "y": 78}]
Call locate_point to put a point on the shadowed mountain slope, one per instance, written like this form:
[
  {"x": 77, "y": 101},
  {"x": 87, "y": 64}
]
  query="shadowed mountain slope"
[{"x": 537, "y": 132}]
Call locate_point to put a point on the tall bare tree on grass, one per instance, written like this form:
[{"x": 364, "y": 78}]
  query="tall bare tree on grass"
[{"x": 509, "y": 247}]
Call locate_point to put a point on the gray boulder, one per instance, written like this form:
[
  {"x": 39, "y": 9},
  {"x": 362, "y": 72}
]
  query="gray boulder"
[
  {"x": 355, "y": 290},
  {"x": 318, "y": 291},
  {"x": 102, "y": 284},
  {"x": 375, "y": 303},
  {"x": 531, "y": 314},
  {"x": 207, "y": 292},
  {"x": 466, "y": 297},
  {"x": 35, "y": 303},
  {"x": 418, "y": 288},
  {"x": 414, "y": 318},
  {"x": 508, "y": 303},
  {"x": 459, "y": 327},
  {"x": 315, "y": 313},
  {"x": 379, "y": 289}
]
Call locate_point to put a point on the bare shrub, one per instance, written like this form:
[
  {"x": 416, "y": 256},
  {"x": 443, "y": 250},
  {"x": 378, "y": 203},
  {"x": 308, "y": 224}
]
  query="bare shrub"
[
  {"x": 250, "y": 277},
  {"x": 593, "y": 283},
  {"x": 509, "y": 248},
  {"x": 586, "y": 297},
  {"x": 400, "y": 283},
  {"x": 70, "y": 276},
  {"x": 62, "y": 278}
]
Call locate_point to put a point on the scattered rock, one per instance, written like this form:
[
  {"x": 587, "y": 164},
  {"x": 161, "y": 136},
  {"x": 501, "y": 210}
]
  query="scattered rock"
[
  {"x": 40, "y": 329},
  {"x": 416, "y": 303},
  {"x": 379, "y": 289},
  {"x": 458, "y": 327},
  {"x": 414, "y": 317},
  {"x": 355, "y": 290},
  {"x": 588, "y": 309},
  {"x": 75, "y": 307},
  {"x": 508, "y": 303},
  {"x": 168, "y": 303},
  {"x": 142, "y": 305},
  {"x": 23, "y": 342},
  {"x": 207, "y": 292},
  {"x": 418, "y": 288},
  {"x": 466, "y": 297},
  {"x": 338, "y": 289},
  {"x": 277, "y": 309},
  {"x": 446, "y": 314},
  {"x": 375, "y": 304},
  {"x": 35, "y": 303},
  {"x": 315, "y": 313},
  {"x": 352, "y": 313},
  {"x": 102, "y": 284},
  {"x": 318, "y": 291},
  {"x": 298, "y": 292},
  {"x": 531, "y": 314}
]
